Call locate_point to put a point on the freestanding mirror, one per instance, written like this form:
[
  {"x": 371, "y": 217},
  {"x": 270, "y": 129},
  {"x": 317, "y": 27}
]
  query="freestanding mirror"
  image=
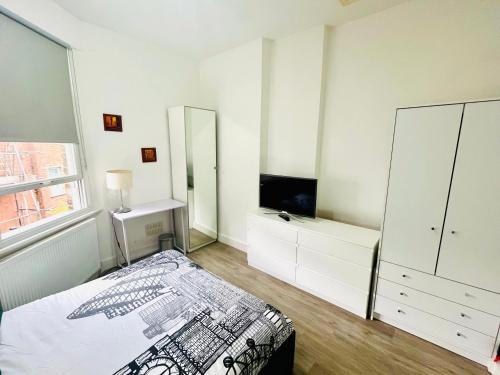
[{"x": 193, "y": 150}]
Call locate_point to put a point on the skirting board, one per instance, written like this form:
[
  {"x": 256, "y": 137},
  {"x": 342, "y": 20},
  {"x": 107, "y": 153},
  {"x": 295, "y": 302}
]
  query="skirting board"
[
  {"x": 231, "y": 241},
  {"x": 110, "y": 262}
]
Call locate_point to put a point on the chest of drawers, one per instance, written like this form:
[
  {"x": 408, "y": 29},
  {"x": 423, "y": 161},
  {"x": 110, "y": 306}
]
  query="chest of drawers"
[{"x": 331, "y": 260}]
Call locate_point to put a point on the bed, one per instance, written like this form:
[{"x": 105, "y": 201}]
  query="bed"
[{"x": 162, "y": 315}]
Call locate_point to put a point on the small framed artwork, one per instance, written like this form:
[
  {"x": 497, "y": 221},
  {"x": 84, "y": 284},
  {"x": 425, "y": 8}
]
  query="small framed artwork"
[
  {"x": 112, "y": 123},
  {"x": 148, "y": 154}
]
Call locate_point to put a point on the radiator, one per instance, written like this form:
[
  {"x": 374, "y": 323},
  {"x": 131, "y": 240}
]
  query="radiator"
[{"x": 52, "y": 265}]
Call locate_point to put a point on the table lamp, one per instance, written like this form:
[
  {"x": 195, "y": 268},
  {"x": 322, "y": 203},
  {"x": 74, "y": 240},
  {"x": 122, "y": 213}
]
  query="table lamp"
[{"x": 119, "y": 179}]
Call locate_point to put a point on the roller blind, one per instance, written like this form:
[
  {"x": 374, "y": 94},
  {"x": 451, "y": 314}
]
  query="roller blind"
[{"x": 35, "y": 92}]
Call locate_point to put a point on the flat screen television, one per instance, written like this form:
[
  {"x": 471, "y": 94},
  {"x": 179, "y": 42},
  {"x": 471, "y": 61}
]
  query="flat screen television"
[{"x": 294, "y": 195}]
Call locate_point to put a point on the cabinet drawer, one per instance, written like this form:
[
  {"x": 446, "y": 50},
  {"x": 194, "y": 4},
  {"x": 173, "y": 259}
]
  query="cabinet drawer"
[
  {"x": 281, "y": 269},
  {"x": 335, "y": 268},
  {"x": 265, "y": 244},
  {"x": 351, "y": 252},
  {"x": 347, "y": 297},
  {"x": 463, "y": 315},
  {"x": 434, "y": 328},
  {"x": 272, "y": 228},
  {"x": 475, "y": 298}
]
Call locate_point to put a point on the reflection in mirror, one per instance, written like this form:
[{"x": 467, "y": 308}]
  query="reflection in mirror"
[{"x": 201, "y": 172}]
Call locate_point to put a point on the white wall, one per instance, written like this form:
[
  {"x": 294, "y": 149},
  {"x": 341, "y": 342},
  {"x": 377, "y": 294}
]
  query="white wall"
[
  {"x": 418, "y": 52},
  {"x": 415, "y": 53},
  {"x": 116, "y": 74},
  {"x": 294, "y": 103},
  {"x": 231, "y": 84}
]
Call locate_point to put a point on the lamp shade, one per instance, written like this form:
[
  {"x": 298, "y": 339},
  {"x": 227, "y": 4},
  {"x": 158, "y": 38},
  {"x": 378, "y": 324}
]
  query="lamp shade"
[{"x": 118, "y": 179}]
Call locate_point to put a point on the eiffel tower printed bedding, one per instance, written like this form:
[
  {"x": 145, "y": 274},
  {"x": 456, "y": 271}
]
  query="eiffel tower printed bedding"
[{"x": 162, "y": 315}]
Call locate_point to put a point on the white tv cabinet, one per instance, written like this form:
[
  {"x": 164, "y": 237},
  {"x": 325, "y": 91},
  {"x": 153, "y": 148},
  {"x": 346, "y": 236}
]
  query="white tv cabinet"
[{"x": 331, "y": 260}]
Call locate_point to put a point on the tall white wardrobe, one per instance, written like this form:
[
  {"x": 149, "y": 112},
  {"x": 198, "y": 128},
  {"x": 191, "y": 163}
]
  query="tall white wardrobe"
[{"x": 439, "y": 269}]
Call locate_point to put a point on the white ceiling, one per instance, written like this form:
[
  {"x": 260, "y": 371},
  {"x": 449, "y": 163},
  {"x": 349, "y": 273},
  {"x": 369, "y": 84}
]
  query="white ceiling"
[{"x": 201, "y": 28}]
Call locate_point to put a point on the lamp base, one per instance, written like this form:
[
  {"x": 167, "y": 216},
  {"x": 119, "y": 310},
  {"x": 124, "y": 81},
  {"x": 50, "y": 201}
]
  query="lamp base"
[{"x": 122, "y": 210}]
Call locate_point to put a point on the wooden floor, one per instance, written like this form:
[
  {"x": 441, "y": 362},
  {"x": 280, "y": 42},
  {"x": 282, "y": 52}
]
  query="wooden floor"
[{"x": 329, "y": 339}]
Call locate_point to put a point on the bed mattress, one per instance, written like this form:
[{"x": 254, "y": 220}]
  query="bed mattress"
[{"x": 164, "y": 314}]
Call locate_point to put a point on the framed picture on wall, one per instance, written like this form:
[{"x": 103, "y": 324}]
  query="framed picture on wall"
[
  {"x": 148, "y": 154},
  {"x": 112, "y": 123}
]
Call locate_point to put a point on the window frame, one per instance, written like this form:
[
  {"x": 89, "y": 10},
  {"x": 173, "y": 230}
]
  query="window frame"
[
  {"x": 28, "y": 235},
  {"x": 61, "y": 188},
  {"x": 31, "y": 185}
]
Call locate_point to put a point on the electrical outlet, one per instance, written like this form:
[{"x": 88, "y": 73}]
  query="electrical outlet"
[{"x": 154, "y": 229}]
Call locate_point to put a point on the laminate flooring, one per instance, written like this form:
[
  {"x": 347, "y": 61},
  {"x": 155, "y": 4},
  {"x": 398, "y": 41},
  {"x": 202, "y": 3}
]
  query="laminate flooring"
[{"x": 329, "y": 339}]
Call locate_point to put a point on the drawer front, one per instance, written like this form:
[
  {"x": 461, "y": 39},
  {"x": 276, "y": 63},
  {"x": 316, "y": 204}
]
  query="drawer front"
[
  {"x": 281, "y": 269},
  {"x": 463, "y": 315},
  {"x": 265, "y": 244},
  {"x": 342, "y": 295},
  {"x": 335, "y": 268},
  {"x": 272, "y": 228},
  {"x": 327, "y": 245},
  {"x": 435, "y": 327},
  {"x": 475, "y": 298}
]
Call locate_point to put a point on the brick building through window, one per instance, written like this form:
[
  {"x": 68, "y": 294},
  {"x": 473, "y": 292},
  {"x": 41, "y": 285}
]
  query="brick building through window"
[{"x": 28, "y": 162}]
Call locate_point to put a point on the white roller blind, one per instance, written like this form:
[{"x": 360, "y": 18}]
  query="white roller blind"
[{"x": 35, "y": 91}]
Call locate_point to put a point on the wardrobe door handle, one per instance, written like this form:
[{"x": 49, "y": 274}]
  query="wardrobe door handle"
[
  {"x": 462, "y": 315},
  {"x": 402, "y": 294},
  {"x": 433, "y": 228},
  {"x": 453, "y": 232}
]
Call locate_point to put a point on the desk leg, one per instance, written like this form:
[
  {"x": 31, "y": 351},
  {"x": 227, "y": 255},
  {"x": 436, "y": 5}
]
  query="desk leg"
[
  {"x": 185, "y": 234},
  {"x": 125, "y": 243}
]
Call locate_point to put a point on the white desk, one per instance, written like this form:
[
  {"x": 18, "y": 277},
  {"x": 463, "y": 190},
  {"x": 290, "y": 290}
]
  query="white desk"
[{"x": 145, "y": 209}]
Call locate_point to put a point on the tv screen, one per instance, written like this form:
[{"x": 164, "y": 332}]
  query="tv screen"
[{"x": 294, "y": 195}]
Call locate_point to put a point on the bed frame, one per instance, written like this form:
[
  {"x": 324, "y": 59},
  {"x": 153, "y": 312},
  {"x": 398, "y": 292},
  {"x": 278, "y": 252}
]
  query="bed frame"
[
  {"x": 282, "y": 360},
  {"x": 278, "y": 361}
]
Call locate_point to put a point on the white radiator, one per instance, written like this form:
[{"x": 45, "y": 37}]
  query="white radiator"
[{"x": 52, "y": 265}]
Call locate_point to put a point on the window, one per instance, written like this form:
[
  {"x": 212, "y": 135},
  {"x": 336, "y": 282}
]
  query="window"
[
  {"x": 41, "y": 181},
  {"x": 38, "y": 182}
]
